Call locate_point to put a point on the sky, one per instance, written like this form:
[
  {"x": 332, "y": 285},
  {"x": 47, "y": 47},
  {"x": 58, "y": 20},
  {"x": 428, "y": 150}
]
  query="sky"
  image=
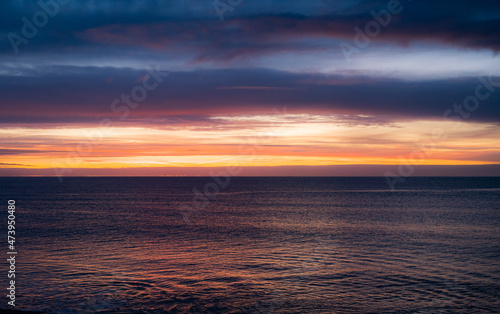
[{"x": 192, "y": 88}]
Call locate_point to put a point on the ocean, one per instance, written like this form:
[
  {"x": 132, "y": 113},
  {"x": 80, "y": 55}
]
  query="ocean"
[{"x": 254, "y": 245}]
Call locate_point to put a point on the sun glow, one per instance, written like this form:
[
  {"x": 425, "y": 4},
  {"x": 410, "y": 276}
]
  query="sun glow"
[{"x": 274, "y": 140}]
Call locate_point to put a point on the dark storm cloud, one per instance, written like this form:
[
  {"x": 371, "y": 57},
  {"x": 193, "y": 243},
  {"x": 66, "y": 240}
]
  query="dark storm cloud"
[
  {"x": 75, "y": 94},
  {"x": 32, "y": 92},
  {"x": 252, "y": 27}
]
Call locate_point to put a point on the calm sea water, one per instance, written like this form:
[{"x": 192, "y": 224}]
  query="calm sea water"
[{"x": 261, "y": 245}]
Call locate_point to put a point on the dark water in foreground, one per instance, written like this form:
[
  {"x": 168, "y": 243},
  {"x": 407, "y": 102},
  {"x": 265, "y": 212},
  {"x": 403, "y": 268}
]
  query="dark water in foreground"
[{"x": 262, "y": 245}]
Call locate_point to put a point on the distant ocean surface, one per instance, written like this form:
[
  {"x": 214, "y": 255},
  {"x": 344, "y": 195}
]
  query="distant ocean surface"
[{"x": 260, "y": 245}]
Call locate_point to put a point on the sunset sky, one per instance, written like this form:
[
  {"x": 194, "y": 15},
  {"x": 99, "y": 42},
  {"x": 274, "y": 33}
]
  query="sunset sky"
[{"x": 275, "y": 87}]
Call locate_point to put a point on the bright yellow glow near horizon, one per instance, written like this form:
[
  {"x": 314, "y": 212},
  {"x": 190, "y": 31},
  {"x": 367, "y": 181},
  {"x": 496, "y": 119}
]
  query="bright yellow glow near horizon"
[{"x": 274, "y": 140}]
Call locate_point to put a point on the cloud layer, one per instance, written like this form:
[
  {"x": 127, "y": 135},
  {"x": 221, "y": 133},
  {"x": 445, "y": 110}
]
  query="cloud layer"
[{"x": 358, "y": 81}]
